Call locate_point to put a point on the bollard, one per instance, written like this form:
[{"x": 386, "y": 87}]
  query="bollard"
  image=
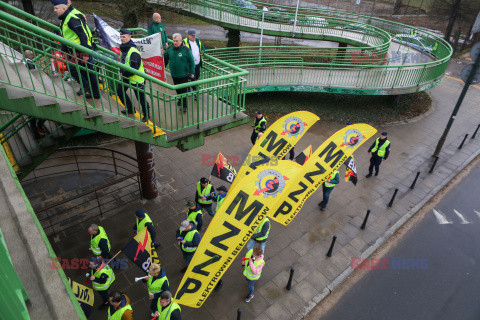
[
  {"x": 289, "y": 284},
  {"x": 239, "y": 313},
  {"x": 475, "y": 133},
  {"x": 393, "y": 197},
  {"x": 329, "y": 253},
  {"x": 433, "y": 165},
  {"x": 463, "y": 141},
  {"x": 364, "y": 224},
  {"x": 415, "y": 181}
]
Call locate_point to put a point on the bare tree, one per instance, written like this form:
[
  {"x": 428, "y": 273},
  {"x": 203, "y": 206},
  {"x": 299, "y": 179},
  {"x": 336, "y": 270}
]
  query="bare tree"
[{"x": 456, "y": 11}]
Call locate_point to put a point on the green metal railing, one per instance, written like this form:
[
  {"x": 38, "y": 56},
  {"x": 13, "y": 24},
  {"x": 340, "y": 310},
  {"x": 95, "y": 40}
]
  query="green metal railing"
[
  {"x": 373, "y": 67},
  {"x": 223, "y": 80},
  {"x": 12, "y": 293}
]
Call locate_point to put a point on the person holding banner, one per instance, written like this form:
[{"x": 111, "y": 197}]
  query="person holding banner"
[
  {"x": 182, "y": 66},
  {"x": 189, "y": 239},
  {"x": 253, "y": 263},
  {"x": 198, "y": 50},
  {"x": 168, "y": 309},
  {"x": 144, "y": 221},
  {"x": 157, "y": 26},
  {"x": 120, "y": 308},
  {"x": 260, "y": 125},
  {"x": 102, "y": 277},
  {"x": 194, "y": 214},
  {"x": 132, "y": 58},
  {"x": 73, "y": 27},
  {"x": 327, "y": 188},
  {"x": 205, "y": 195},
  {"x": 157, "y": 283}
]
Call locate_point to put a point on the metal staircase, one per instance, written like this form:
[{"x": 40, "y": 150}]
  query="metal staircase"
[{"x": 215, "y": 106}]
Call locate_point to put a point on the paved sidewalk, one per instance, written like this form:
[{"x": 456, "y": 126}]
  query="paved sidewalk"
[{"x": 304, "y": 243}]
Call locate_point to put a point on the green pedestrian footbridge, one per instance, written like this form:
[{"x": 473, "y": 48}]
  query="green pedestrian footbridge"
[{"x": 373, "y": 57}]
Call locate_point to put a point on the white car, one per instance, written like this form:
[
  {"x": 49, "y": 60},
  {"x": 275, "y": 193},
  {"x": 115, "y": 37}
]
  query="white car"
[
  {"x": 311, "y": 22},
  {"x": 413, "y": 41}
]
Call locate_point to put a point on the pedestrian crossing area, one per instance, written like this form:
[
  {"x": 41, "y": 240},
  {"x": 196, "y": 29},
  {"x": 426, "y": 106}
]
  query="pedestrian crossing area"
[{"x": 456, "y": 217}]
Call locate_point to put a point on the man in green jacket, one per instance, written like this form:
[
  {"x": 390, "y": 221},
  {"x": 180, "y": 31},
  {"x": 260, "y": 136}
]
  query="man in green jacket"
[
  {"x": 194, "y": 44},
  {"x": 182, "y": 66},
  {"x": 156, "y": 26}
]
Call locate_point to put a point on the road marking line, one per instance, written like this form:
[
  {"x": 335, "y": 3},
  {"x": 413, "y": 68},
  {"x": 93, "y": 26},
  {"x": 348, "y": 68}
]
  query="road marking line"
[
  {"x": 462, "y": 218},
  {"x": 460, "y": 80},
  {"x": 440, "y": 217},
  {"x": 478, "y": 213}
]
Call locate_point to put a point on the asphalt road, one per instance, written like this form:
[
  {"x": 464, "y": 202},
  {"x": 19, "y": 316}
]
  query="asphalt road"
[{"x": 433, "y": 272}]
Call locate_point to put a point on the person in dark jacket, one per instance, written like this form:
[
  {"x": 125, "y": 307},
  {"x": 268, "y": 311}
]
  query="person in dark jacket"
[
  {"x": 101, "y": 245},
  {"x": 194, "y": 214},
  {"x": 205, "y": 195},
  {"x": 132, "y": 58},
  {"x": 156, "y": 26},
  {"x": 102, "y": 277},
  {"x": 120, "y": 303},
  {"x": 260, "y": 125},
  {"x": 260, "y": 236},
  {"x": 73, "y": 27},
  {"x": 189, "y": 239},
  {"x": 182, "y": 66},
  {"x": 157, "y": 282},
  {"x": 144, "y": 221},
  {"x": 380, "y": 150},
  {"x": 327, "y": 187}
]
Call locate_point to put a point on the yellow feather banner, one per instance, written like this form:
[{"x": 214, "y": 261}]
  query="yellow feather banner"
[
  {"x": 327, "y": 158},
  {"x": 277, "y": 141}
]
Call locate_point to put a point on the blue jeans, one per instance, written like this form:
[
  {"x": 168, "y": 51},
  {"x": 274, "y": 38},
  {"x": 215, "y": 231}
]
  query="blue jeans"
[
  {"x": 251, "y": 287},
  {"x": 251, "y": 243},
  {"x": 188, "y": 257},
  {"x": 326, "y": 195},
  {"x": 208, "y": 208}
]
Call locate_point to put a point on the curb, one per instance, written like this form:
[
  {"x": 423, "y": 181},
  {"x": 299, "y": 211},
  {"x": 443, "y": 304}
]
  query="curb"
[{"x": 389, "y": 232}]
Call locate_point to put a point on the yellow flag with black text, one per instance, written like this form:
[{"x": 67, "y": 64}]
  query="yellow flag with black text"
[
  {"x": 327, "y": 158},
  {"x": 82, "y": 293},
  {"x": 242, "y": 211},
  {"x": 277, "y": 141}
]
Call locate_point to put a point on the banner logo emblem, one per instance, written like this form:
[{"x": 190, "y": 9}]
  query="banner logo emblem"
[
  {"x": 352, "y": 138},
  {"x": 294, "y": 127},
  {"x": 269, "y": 183}
]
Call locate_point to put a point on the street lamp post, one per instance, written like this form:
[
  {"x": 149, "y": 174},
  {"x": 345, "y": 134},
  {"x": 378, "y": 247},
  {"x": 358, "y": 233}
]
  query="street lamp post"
[
  {"x": 295, "y": 21},
  {"x": 261, "y": 34}
]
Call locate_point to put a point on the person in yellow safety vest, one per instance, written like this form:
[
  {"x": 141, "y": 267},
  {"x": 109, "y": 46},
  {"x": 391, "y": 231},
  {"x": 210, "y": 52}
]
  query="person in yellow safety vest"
[
  {"x": 198, "y": 50},
  {"x": 194, "y": 214},
  {"x": 205, "y": 195},
  {"x": 260, "y": 236},
  {"x": 144, "y": 221},
  {"x": 222, "y": 193},
  {"x": 260, "y": 125},
  {"x": 120, "y": 308},
  {"x": 327, "y": 187},
  {"x": 189, "y": 239},
  {"x": 131, "y": 57},
  {"x": 157, "y": 283},
  {"x": 168, "y": 309},
  {"x": 258, "y": 136},
  {"x": 73, "y": 27},
  {"x": 380, "y": 149},
  {"x": 99, "y": 243},
  {"x": 254, "y": 263},
  {"x": 102, "y": 277}
]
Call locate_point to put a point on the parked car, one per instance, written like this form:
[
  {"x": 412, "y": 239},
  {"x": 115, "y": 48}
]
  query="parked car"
[
  {"x": 359, "y": 27},
  {"x": 413, "y": 41},
  {"x": 311, "y": 22},
  {"x": 245, "y": 4},
  {"x": 277, "y": 14},
  {"x": 246, "y": 9}
]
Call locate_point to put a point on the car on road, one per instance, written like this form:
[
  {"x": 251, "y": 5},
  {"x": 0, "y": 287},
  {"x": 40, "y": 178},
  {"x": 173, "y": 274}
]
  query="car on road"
[
  {"x": 311, "y": 22},
  {"x": 360, "y": 27},
  {"x": 277, "y": 14},
  {"x": 413, "y": 41},
  {"x": 246, "y": 9},
  {"x": 245, "y": 4}
]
